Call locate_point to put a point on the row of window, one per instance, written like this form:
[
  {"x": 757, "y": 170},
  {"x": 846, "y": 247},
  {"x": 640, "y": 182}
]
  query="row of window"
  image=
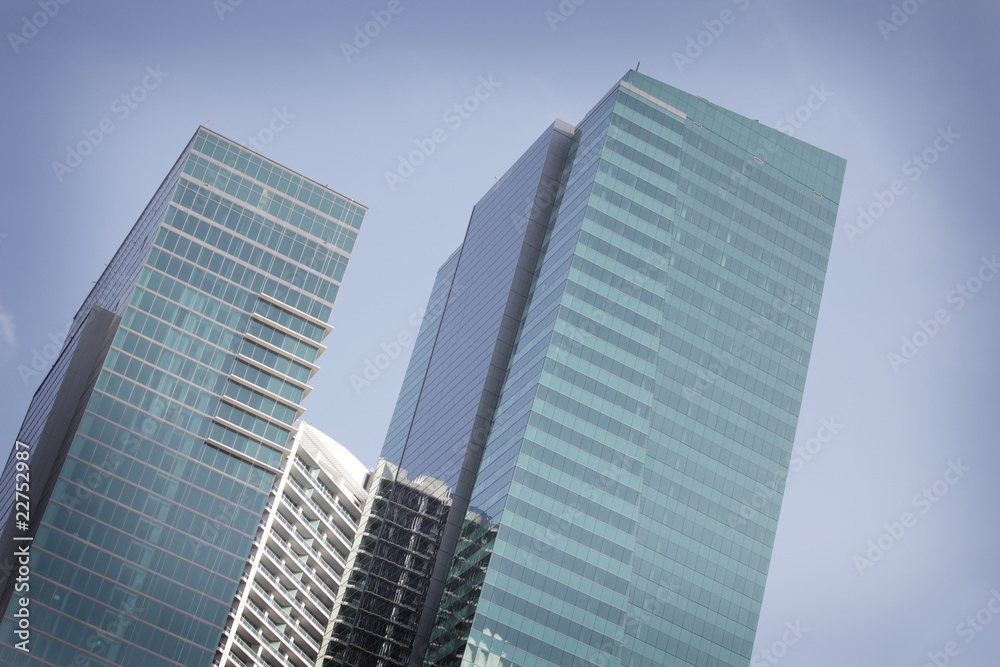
[
  {"x": 767, "y": 366},
  {"x": 275, "y": 361},
  {"x": 204, "y": 519},
  {"x": 727, "y": 367},
  {"x": 573, "y": 506},
  {"x": 753, "y": 312},
  {"x": 599, "y": 390},
  {"x": 620, "y": 125},
  {"x": 168, "y": 361},
  {"x": 806, "y": 271},
  {"x": 606, "y": 335},
  {"x": 253, "y": 280},
  {"x": 156, "y": 341},
  {"x": 564, "y": 347},
  {"x": 628, "y": 232},
  {"x": 249, "y": 239},
  {"x": 619, "y": 152},
  {"x": 612, "y": 308},
  {"x": 552, "y": 531},
  {"x": 123, "y": 536},
  {"x": 278, "y": 178},
  {"x": 224, "y": 263},
  {"x": 268, "y": 382},
  {"x": 753, "y": 331},
  {"x": 122, "y": 616},
  {"x": 137, "y": 393},
  {"x": 698, "y": 141},
  {"x": 270, "y": 202},
  {"x": 631, "y": 288},
  {"x": 727, "y": 265},
  {"x": 220, "y": 287},
  {"x": 191, "y": 300},
  {"x": 630, "y": 207},
  {"x": 617, "y": 464},
  {"x": 299, "y": 325},
  {"x": 148, "y": 402},
  {"x": 822, "y": 211},
  {"x": 497, "y": 643},
  {"x": 629, "y": 100},
  {"x": 54, "y": 649},
  {"x": 639, "y": 185},
  {"x": 596, "y": 482},
  {"x": 693, "y": 195},
  {"x": 729, "y": 599},
  {"x": 157, "y": 446},
  {"x": 576, "y": 637},
  {"x": 248, "y": 422},
  {"x": 700, "y": 519},
  {"x": 252, "y": 448},
  {"x": 719, "y": 409},
  {"x": 731, "y": 489},
  {"x": 283, "y": 341}
]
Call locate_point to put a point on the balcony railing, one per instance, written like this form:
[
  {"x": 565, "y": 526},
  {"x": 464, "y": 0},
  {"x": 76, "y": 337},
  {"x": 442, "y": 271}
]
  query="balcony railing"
[
  {"x": 322, "y": 513},
  {"x": 291, "y": 574},
  {"x": 287, "y": 641},
  {"x": 276, "y": 606},
  {"x": 337, "y": 503},
  {"x": 266, "y": 643},
  {"x": 315, "y": 554},
  {"x": 316, "y": 533},
  {"x": 291, "y": 597},
  {"x": 246, "y": 647}
]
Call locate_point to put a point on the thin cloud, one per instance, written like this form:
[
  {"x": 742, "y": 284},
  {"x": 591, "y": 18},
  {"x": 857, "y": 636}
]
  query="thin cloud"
[{"x": 8, "y": 337}]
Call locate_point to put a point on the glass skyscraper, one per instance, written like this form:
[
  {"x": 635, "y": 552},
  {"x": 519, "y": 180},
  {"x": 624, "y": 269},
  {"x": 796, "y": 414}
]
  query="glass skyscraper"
[
  {"x": 613, "y": 379},
  {"x": 385, "y": 579},
  {"x": 155, "y": 439}
]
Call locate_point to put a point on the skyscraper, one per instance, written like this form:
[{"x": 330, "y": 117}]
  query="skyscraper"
[
  {"x": 612, "y": 383},
  {"x": 385, "y": 581},
  {"x": 155, "y": 439},
  {"x": 290, "y": 581}
]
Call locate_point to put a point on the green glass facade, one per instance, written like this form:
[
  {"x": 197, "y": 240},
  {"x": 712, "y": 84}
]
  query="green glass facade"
[
  {"x": 612, "y": 509},
  {"x": 156, "y": 437},
  {"x": 654, "y": 389}
]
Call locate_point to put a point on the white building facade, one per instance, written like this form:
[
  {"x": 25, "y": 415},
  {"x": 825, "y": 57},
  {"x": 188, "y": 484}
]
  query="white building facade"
[{"x": 287, "y": 591}]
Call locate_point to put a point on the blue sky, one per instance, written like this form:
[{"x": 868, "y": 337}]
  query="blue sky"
[{"x": 906, "y": 92}]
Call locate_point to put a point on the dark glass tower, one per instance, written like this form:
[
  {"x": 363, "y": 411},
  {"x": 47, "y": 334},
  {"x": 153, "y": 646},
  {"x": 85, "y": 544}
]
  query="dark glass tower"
[
  {"x": 154, "y": 440},
  {"x": 480, "y": 291},
  {"x": 615, "y": 375}
]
